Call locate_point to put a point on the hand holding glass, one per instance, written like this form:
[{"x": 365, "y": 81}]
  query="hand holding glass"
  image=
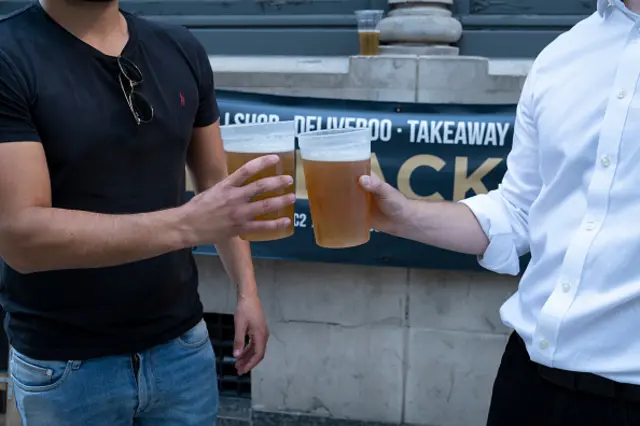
[
  {"x": 333, "y": 161},
  {"x": 243, "y": 143}
]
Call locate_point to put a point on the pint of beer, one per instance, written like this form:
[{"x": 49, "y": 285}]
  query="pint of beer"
[
  {"x": 333, "y": 161},
  {"x": 243, "y": 143},
  {"x": 368, "y": 32}
]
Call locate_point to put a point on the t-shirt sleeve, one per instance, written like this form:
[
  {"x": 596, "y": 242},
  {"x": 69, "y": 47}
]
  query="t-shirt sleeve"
[
  {"x": 208, "y": 112},
  {"x": 16, "y": 121}
]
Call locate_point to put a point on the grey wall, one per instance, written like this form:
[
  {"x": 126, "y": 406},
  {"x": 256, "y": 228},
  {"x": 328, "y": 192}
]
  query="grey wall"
[
  {"x": 494, "y": 28},
  {"x": 516, "y": 28}
]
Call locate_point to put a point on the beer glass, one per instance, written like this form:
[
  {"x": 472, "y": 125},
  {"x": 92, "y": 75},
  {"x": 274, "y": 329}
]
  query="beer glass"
[
  {"x": 368, "y": 32},
  {"x": 333, "y": 161},
  {"x": 244, "y": 142}
]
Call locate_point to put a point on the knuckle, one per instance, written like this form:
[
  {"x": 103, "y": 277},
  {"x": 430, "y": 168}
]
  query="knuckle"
[
  {"x": 235, "y": 217},
  {"x": 261, "y": 186},
  {"x": 225, "y": 186},
  {"x": 244, "y": 172},
  {"x": 266, "y": 205}
]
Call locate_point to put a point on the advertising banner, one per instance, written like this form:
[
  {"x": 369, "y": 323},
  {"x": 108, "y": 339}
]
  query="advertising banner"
[{"x": 428, "y": 152}]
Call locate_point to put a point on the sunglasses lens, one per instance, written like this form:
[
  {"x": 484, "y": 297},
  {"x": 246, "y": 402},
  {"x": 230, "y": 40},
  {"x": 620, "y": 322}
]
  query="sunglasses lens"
[
  {"x": 130, "y": 70},
  {"x": 142, "y": 107}
]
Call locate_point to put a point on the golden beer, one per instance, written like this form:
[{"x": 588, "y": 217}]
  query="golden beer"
[
  {"x": 340, "y": 208},
  {"x": 333, "y": 162},
  {"x": 369, "y": 42},
  {"x": 245, "y": 142},
  {"x": 368, "y": 32},
  {"x": 286, "y": 166}
]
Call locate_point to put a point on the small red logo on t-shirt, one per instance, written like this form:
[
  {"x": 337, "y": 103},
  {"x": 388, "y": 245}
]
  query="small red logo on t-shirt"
[{"x": 182, "y": 101}]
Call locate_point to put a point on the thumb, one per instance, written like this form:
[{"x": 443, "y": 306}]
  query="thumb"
[
  {"x": 239, "y": 339},
  {"x": 373, "y": 184}
]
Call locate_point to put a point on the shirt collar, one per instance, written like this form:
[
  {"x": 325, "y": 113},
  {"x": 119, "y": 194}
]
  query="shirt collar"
[{"x": 605, "y": 7}]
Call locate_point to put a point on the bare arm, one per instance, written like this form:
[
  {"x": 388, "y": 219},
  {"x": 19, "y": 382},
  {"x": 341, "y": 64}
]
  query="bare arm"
[
  {"x": 494, "y": 226},
  {"x": 208, "y": 166},
  {"x": 36, "y": 237},
  {"x": 447, "y": 225}
]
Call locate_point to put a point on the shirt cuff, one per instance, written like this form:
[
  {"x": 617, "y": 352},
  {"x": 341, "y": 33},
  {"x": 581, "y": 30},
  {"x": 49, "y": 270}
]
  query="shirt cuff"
[{"x": 501, "y": 255}]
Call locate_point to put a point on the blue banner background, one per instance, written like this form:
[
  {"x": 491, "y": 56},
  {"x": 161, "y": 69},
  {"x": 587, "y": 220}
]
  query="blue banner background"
[{"x": 423, "y": 149}]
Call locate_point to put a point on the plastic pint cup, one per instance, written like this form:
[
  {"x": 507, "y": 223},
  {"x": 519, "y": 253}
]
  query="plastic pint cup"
[
  {"x": 243, "y": 143},
  {"x": 333, "y": 161},
  {"x": 368, "y": 33}
]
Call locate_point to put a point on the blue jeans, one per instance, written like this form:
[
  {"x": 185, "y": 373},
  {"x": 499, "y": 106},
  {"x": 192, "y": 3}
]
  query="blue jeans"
[{"x": 176, "y": 386}]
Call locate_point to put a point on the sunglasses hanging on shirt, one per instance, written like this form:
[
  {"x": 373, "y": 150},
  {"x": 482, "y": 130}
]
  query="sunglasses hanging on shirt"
[{"x": 130, "y": 78}]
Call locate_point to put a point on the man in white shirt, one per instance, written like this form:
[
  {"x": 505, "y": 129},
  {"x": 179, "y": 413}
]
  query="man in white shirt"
[{"x": 570, "y": 197}]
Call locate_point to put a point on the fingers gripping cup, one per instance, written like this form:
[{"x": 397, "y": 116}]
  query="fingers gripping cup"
[
  {"x": 368, "y": 32},
  {"x": 333, "y": 161},
  {"x": 244, "y": 142}
]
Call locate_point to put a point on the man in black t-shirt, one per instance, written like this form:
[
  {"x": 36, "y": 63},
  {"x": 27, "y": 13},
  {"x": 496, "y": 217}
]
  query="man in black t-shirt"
[{"x": 100, "y": 111}]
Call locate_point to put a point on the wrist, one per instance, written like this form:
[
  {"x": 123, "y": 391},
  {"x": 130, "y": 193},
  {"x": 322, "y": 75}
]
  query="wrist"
[
  {"x": 186, "y": 234},
  {"x": 248, "y": 290},
  {"x": 407, "y": 220},
  {"x": 405, "y": 212}
]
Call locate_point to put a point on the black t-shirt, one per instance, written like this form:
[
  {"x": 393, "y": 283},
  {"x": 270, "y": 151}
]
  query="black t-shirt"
[{"x": 61, "y": 92}]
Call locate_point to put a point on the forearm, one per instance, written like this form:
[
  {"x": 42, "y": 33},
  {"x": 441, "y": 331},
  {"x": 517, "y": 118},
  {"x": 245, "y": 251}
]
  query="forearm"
[
  {"x": 40, "y": 239},
  {"x": 235, "y": 255},
  {"x": 208, "y": 165},
  {"x": 447, "y": 225}
]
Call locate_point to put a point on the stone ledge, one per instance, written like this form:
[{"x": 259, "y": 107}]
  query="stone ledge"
[{"x": 395, "y": 78}]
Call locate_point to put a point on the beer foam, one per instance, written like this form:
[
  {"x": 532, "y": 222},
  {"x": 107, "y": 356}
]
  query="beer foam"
[
  {"x": 357, "y": 153},
  {"x": 260, "y": 145}
]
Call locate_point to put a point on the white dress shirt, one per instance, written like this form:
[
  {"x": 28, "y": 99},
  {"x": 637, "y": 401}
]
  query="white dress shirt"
[{"x": 571, "y": 197}]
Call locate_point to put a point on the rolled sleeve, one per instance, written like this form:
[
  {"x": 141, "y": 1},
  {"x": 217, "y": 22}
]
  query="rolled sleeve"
[
  {"x": 503, "y": 213},
  {"x": 501, "y": 255}
]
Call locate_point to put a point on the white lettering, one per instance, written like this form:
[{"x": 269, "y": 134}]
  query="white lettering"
[
  {"x": 361, "y": 123},
  {"x": 349, "y": 123},
  {"x": 300, "y": 123},
  {"x": 385, "y": 130},
  {"x": 448, "y": 132},
  {"x": 503, "y": 129},
  {"x": 311, "y": 123},
  {"x": 300, "y": 220},
  {"x": 461, "y": 134},
  {"x": 423, "y": 132},
  {"x": 435, "y": 132},
  {"x": 491, "y": 137},
  {"x": 412, "y": 129},
  {"x": 476, "y": 132}
]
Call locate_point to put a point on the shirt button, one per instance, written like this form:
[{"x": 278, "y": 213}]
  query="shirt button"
[
  {"x": 590, "y": 226},
  {"x": 566, "y": 286},
  {"x": 622, "y": 94},
  {"x": 544, "y": 344},
  {"x": 606, "y": 162}
]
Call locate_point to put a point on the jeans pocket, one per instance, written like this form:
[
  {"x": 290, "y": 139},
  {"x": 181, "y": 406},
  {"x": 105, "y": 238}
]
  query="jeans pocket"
[
  {"x": 196, "y": 337},
  {"x": 35, "y": 375}
]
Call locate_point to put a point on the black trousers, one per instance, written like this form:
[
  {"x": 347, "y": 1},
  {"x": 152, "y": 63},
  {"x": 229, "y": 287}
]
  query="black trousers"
[{"x": 522, "y": 397}]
